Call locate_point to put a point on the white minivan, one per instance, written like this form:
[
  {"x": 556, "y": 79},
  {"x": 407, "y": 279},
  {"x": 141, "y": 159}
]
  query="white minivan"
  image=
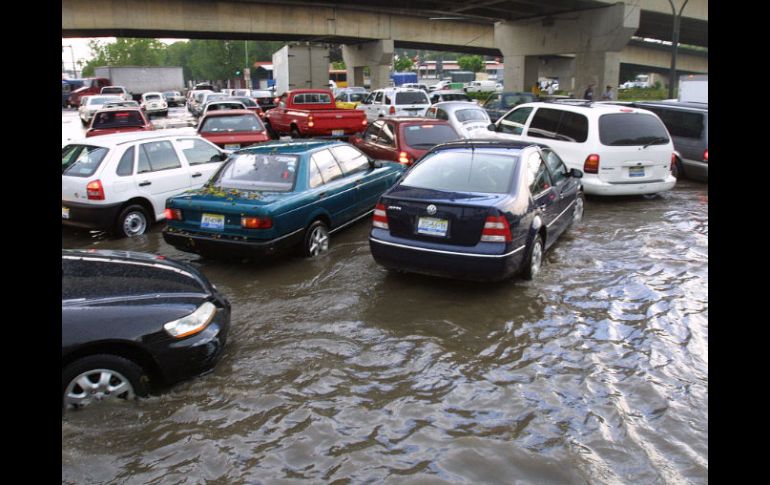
[
  {"x": 620, "y": 150},
  {"x": 480, "y": 87},
  {"x": 395, "y": 102},
  {"x": 121, "y": 182}
]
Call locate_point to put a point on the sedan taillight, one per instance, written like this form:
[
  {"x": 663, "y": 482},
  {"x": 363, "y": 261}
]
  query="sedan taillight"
[
  {"x": 380, "y": 218},
  {"x": 496, "y": 229}
]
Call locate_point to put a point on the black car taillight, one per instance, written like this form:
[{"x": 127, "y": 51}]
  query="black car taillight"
[
  {"x": 380, "y": 218},
  {"x": 496, "y": 229}
]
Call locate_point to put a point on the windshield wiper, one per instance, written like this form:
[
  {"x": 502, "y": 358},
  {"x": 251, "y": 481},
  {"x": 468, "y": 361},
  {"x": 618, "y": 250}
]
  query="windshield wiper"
[{"x": 655, "y": 140}]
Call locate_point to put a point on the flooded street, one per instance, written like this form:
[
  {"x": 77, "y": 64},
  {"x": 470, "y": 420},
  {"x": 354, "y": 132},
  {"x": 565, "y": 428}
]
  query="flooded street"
[{"x": 336, "y": 371}]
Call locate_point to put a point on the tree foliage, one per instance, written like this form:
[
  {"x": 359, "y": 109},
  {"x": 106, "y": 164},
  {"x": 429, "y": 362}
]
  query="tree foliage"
[
  {"x": 403, "y": 64},
  {"x": 471, "y": 63}
]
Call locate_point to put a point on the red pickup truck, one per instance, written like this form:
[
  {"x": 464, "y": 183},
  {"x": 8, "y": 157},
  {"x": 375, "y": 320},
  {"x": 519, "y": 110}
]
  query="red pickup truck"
[{"x": 313, "y": 112}]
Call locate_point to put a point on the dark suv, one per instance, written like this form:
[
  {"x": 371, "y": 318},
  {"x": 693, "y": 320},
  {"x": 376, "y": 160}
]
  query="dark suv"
[
  {"x": 688, "y": 124},
  {"x": 497, "y": 104}
]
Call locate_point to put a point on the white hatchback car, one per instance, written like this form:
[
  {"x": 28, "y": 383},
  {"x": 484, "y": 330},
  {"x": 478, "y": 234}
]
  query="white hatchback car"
[
  {"x": 121, "y": 182},
  {"x": 395, "y": 102},
  {"x": 467, "y": 118},
  {"x": 620, "y": 150},
  {"x": 154, "y": 103}
]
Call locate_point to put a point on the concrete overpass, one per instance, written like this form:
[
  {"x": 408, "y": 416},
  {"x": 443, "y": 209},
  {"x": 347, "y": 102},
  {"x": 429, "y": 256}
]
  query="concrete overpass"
[{"x": 595, "y": 32}]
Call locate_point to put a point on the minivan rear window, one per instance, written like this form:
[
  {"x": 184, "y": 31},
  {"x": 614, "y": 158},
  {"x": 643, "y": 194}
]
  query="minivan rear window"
[
  {"x": 415, "y": 97},
  {"x": 81, "y": 160},
  {"x": 631, "y": 129}
]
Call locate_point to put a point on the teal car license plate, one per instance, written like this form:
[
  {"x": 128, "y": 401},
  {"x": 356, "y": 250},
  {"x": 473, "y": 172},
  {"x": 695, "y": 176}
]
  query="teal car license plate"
[
  {"x": 213, "y": 221},
  {"x": 636, "y": 171},
  {"x": 432, "y": 226}
]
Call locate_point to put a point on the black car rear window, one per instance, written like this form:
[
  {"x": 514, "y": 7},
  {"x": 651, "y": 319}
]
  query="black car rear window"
[
  {"x": 425, "y": 136},
  {"x": 116, "y": 119},
  {"x": 416, "y": 97},
  {"x": 630, "y": 129},
  {"x": 81, "y": 160},
  {"x": 687, "y": 124},
  {"x": 463, "y": 171}
]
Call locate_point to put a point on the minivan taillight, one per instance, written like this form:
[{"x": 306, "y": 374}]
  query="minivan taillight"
[
  {"x": 392, "y": 110},
  {"x": 706, "y": 155},
  {"x": 673, "y": 163},
  {"x": 95, "y": 190},
  {"x": 496, "y": 229},
  {"x": 591, "y": 164},
  {"x": 380, "y": 218}
]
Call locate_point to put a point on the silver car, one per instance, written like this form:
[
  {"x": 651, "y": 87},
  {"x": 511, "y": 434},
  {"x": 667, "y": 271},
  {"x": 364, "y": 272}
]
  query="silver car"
[{"x": 467, "y": 118}]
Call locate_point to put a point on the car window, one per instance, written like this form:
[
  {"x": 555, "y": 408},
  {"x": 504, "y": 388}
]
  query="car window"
[
  {"x": 387, "y": 135},
  {"x": 631, "y": 129},
  {"x": 378, "y": 97},
  {"x": 493, "y": 102},
  {"x": 232, "y": 123},
  {"x": 157, "y": 155},
  {"x": 81, "y": 160},
  {"x": 328, "y": 166},
  {"x": 117, "y": 119},
  {"x": 555, "y": 124},
  {"x": 685, "y": 124},
  {"x": 556, "y": 166},
  {"x": 414, "y": 97},
  {"x": 126, "y": 164},
  {"x": 441, "y": 114},
  {"x": 471, "y": 114},
  {"x": 463, "y": 171},
  {"x": 315, "y": 174},
  {"x": 537, "y": 174},
  {"x": 513, "y": 123},
  {"x": 425, "y": 136},
  {"x": 198, "y": 151},
  {"x": 270, "y": 172},
  {"x": 351, "y": 159},
  {"x": 373, "y": 132}
]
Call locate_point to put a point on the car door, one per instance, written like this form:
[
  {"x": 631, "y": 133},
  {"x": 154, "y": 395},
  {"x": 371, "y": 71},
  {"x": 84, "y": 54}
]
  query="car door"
[
  {"x": 160, "y": 173},
  {"x": 203, "y": 158},
  {"x": 387, "y": 143},
  {"x": 331, "y": 189},
  {"x": 369, "y": 139},
  {"x": 512, "y": 125},
  {"x": 566, "y": 187},
  {"x": 369, "y": 183},
  {"x": 544, "y": 196}
]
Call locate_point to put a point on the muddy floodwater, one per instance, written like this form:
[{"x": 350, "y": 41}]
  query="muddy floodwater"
[{"x": 339, "y": 372}]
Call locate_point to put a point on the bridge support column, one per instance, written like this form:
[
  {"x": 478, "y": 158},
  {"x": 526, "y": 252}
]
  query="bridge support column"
[
  {"x": 378, "y": 55},
  {"x": 596, "y": 37}
]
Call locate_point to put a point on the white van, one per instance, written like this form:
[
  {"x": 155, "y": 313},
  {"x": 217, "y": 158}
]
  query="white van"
[
  {"x": 620, "y": 150},
  {"x": 480, "y": 87},
  {"x": 395, "y": 102}
]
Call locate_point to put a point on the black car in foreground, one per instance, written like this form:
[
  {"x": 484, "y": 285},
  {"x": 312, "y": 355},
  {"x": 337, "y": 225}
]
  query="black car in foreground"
[
  {"x": 477, "y": 209},
  {"x": 134, "y": 323}
]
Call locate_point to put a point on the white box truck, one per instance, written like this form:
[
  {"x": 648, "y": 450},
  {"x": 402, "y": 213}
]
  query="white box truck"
[
  {"x": 300, "y": 67},
  {"x": 694, "y": 88},
  {"x": 142, "y": 79}
]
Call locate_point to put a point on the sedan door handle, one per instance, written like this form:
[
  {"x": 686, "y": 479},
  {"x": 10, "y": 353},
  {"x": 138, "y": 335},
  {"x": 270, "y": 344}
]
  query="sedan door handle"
[
  {"x": 144, "y": 183},
  {"x": 322, "y": 195},
  {"x": 197, "y": 174}
]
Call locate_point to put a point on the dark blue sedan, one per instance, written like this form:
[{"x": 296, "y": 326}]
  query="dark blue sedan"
[
  {"x": 276, "y": 196},
  {"x": 477, "y": 209}
]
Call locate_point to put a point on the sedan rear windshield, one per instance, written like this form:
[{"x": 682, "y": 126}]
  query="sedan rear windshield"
[
  {"x": 357, "y": 97},
  {"x": 418, "y": 97},
  {"x": 152, "y": 97},
  {"x": 455, "y": 97},
  {"x": 81, "y": 160},
  {"x": 116, "y": 119},
  {"x": 423, "y": 137},
  {"x": 631, "y": 129},
  {"x": 463, "y": 171},
  {"x": 259, "y": 172},
  {"x": 103, "y": 99},
  {"x": 220, "y": 124},
  {"x": 112, "y": 90},
  {"x": 464, "y": 115}
]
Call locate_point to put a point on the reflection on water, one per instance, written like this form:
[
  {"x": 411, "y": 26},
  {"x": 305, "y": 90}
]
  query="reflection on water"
[{"x": 337, "y": 371}]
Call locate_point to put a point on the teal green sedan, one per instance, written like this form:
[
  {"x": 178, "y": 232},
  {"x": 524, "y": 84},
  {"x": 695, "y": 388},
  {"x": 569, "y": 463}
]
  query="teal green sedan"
[{"x": 276, "y": 196}]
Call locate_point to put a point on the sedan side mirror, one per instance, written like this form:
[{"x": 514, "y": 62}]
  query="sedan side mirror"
[
  {"x": 375, "y": 163},
  {"x": 223, "y": 156},
  {"x": 575, "y": 173},
  {"x": 492, "y": 127}
]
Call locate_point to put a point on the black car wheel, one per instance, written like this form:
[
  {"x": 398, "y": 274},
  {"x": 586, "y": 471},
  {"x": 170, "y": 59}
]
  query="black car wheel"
[
  {"x": 295, "y": 132},
  {"x": 101, "y": 377},
  {"x": 534, "y": 259},
  {"x": 577, "y": 212},
  {"x": 676, "y": 170},
  {"x": 316, "y": 239},
  {"x": 132, "y": 221}
]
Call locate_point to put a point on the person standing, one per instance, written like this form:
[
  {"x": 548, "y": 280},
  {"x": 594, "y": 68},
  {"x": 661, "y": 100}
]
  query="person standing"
[
  {"x": 608, "y": 94},
  {"x": 589, "y": 93}
]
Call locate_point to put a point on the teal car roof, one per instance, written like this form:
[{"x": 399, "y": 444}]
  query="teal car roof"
[{"x": 294, "y": 146}]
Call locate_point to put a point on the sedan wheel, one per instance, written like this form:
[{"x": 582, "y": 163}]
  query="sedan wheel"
[
  {"x": 101, "y": 377},
  {"x": 535, "y": 259},
  {"x": 132, "y": 221},
  {"x": 577, "y": 213},
  {"x": 316, "y": 239}
]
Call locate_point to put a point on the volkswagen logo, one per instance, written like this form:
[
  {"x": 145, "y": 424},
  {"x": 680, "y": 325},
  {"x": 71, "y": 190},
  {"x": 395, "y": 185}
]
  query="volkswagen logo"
[{"x": 431, "y": 209}]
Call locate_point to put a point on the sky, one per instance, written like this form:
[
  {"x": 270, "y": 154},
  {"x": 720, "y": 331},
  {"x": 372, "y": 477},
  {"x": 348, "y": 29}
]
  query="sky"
[{"x": 81, "y": 51}]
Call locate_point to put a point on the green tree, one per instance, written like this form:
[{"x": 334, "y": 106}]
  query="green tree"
[
  {"x": 125, "y": 52},
  {"x": 471, "y": 63},
  {"x": 403, "y": 64}
]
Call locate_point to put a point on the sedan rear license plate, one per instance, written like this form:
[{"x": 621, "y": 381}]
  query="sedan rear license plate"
[
  {"x": 432, "y": 226},
  {"x": 636, "y": 171},
  {"x": 65, "y": 212},
  {"x": 338, "y": 132},
  {"x": 232, "y": 146},
  {"x": 213, "y": 221}
]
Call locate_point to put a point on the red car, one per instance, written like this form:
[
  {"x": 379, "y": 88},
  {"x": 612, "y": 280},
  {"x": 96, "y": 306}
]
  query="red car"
[
  {"x": 118, "y": 120},
  {"x": 403, "y": 139},
  {"x": 233, "y": 128}
]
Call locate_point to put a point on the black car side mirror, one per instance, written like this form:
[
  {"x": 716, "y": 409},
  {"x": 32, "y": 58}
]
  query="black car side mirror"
[
  {"x": 492, "y": 127},
  {"x": 575, "y": 173},
  {"x": 375, "y": 163}
]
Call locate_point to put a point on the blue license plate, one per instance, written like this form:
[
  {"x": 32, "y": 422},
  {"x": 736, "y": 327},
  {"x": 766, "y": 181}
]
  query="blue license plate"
[
  {"x": 213, "y": 221},
  {"x": 636, "y": 171},
  {"x": 432, "y": 226}
]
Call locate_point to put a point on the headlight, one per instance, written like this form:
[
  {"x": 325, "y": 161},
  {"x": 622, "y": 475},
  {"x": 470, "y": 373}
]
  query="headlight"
[{"x": 192, "y": 323}]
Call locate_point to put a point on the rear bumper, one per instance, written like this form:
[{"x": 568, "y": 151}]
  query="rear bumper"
[
  {"x": 219, "y": 245},
  {"x": 594, "y": 186},
  {"x": 696, "y": 169},
  {"x": 416, "y": 257},
  {"x": 90, "y": 216}
]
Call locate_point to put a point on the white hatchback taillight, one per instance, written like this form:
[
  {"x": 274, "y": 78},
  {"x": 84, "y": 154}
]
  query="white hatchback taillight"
[
  {"x": 380, "y": 218},
  {"x": 95, "y": 190},
  {"x": 496, "y": 229}
]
